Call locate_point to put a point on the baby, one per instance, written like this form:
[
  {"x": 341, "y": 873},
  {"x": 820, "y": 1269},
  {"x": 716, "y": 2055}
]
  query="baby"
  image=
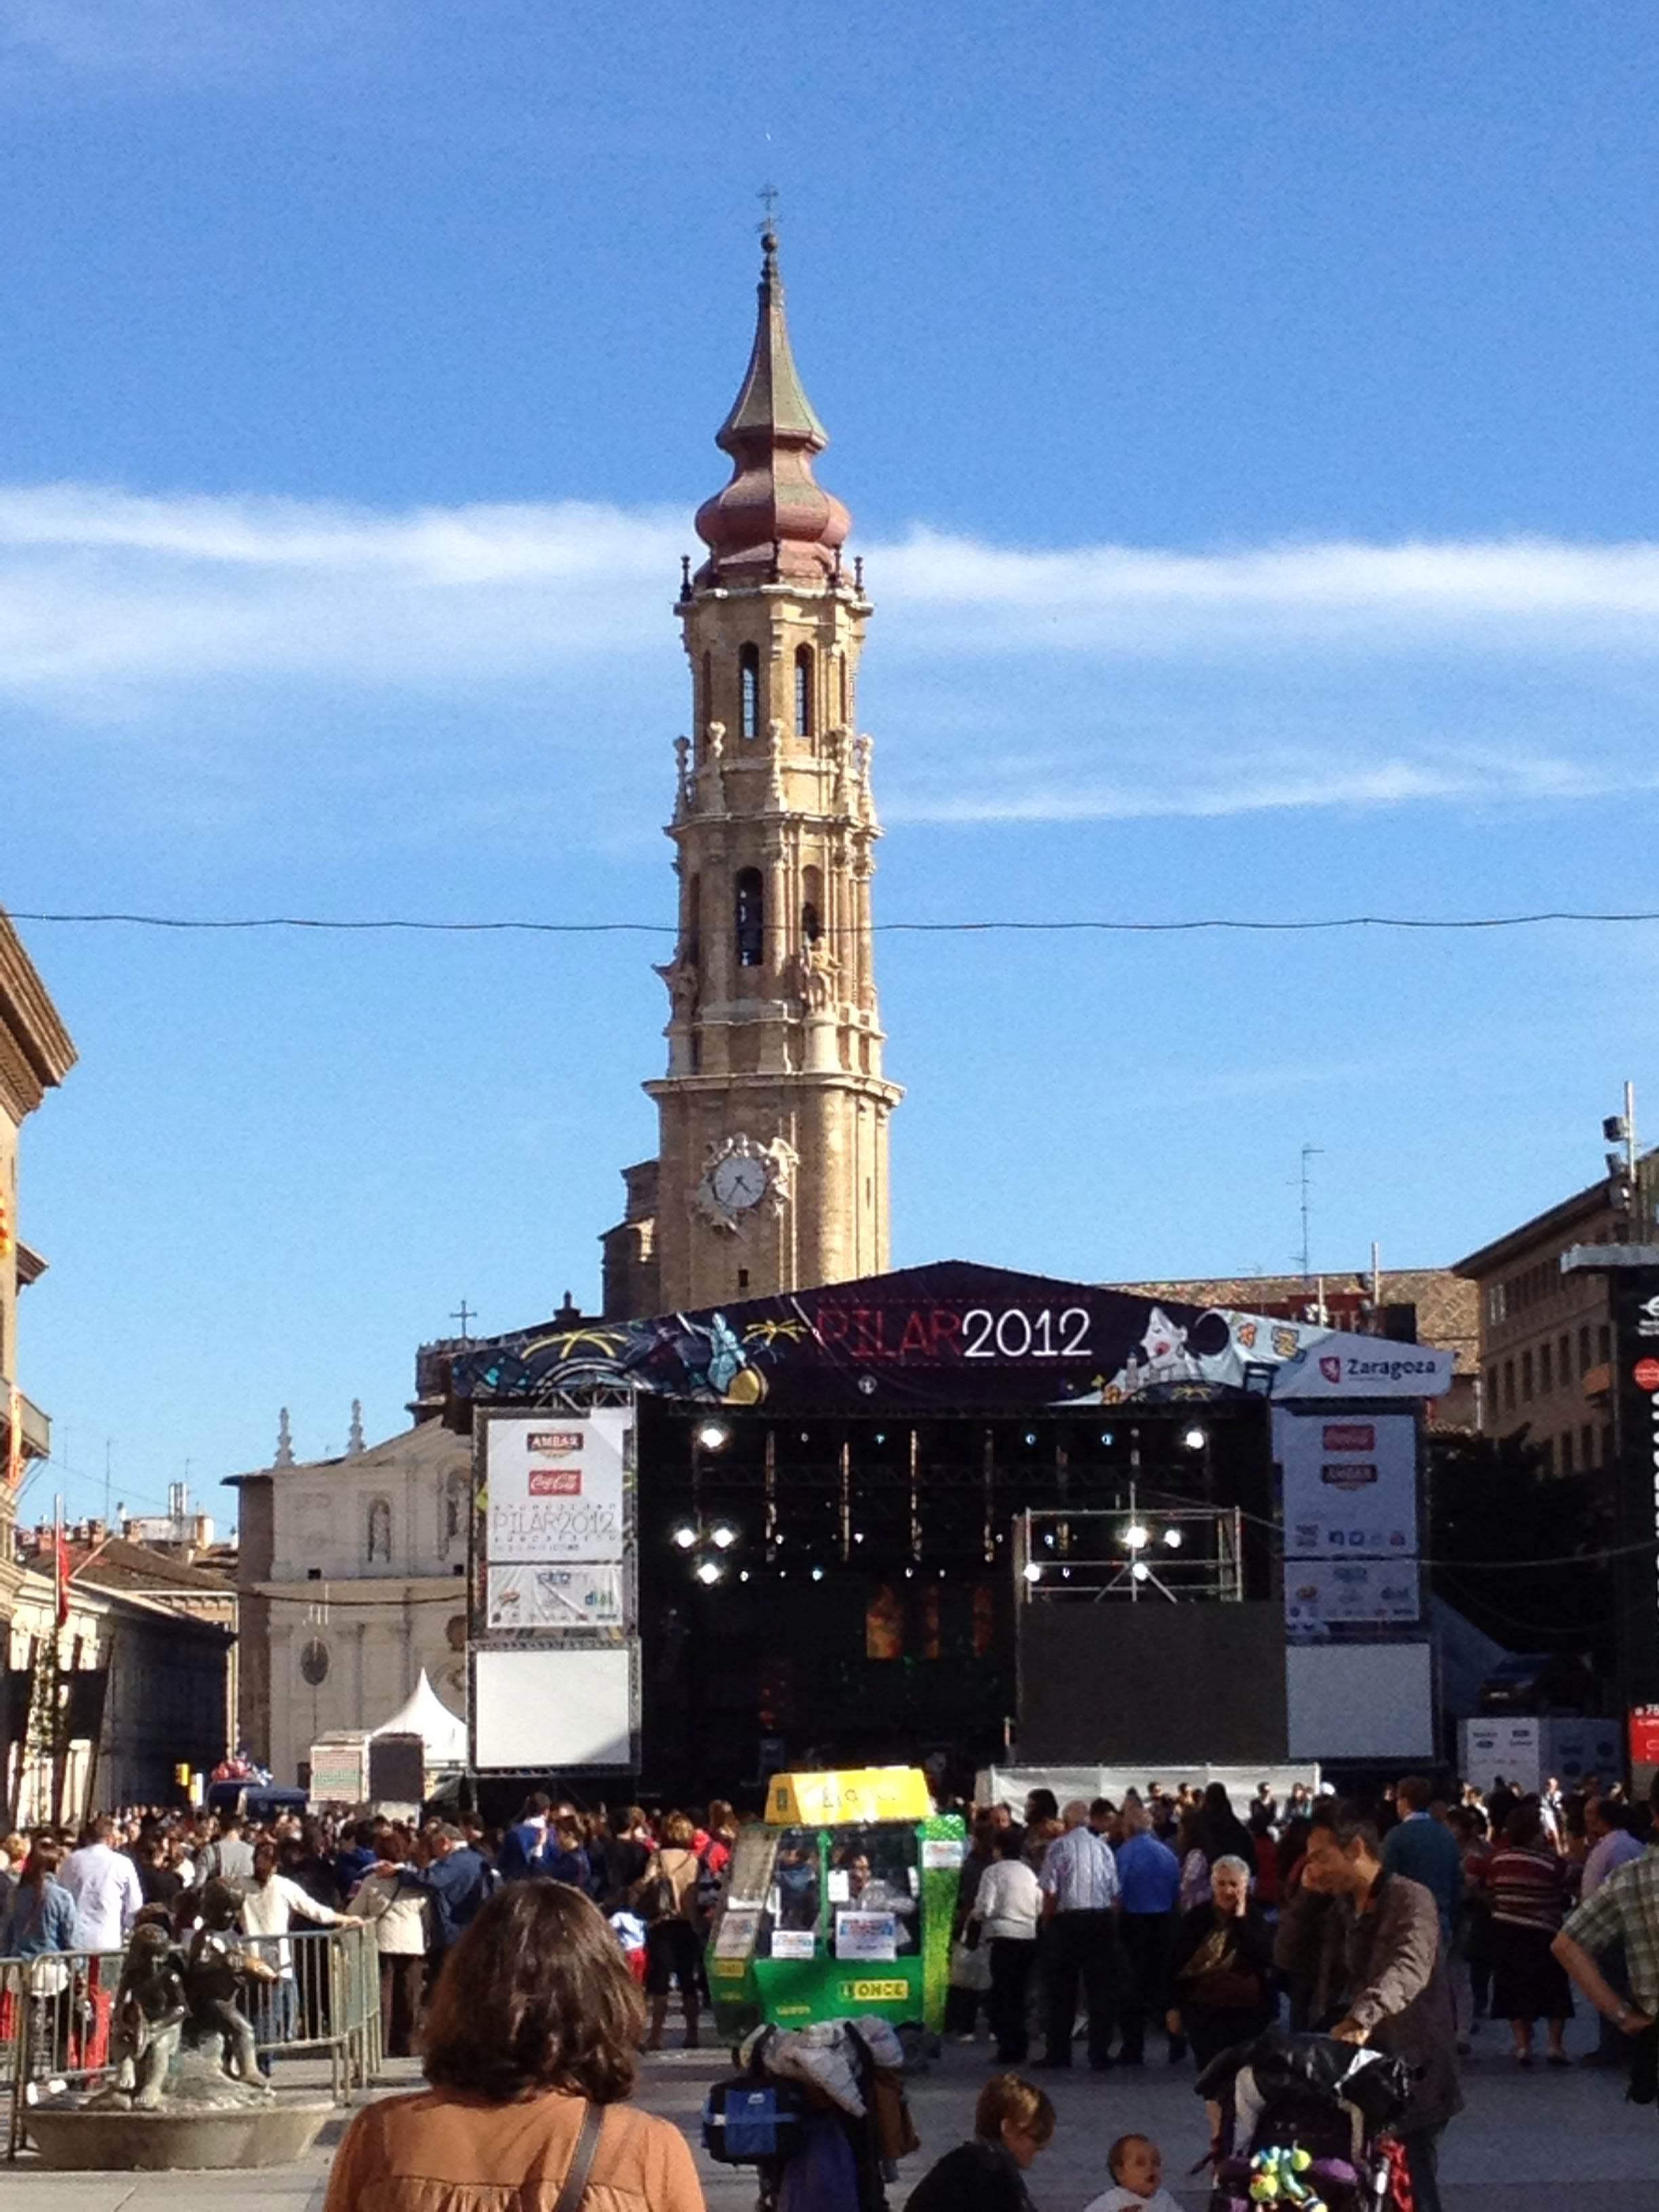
[{"x": 1136, "y": 2165}]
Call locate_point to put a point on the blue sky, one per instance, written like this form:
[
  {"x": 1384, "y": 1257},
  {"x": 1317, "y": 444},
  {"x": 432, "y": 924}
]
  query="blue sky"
[{"x": 1247, "y": 414}]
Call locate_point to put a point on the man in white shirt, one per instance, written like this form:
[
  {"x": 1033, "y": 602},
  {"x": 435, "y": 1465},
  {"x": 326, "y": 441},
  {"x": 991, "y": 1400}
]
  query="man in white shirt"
[
  {"x": 104, "y": 1883},
  {"x": 1080, "y": 1894},
  {"x": 268, "y": 1910}
]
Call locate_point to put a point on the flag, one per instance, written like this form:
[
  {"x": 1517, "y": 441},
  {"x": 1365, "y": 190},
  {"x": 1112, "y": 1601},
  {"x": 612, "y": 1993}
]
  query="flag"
[{"x": 61, "y": 1572}]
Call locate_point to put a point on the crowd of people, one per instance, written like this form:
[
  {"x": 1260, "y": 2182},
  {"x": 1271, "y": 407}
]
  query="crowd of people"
[
  {"x": 1412, "y": 1924},
  {"x": 1408, "y": 1922},
  {"x": 418, "y": 1887}
]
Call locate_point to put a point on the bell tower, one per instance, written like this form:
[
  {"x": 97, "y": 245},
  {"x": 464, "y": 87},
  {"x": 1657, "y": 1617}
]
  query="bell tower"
[{"x": 772, "y": 1170}]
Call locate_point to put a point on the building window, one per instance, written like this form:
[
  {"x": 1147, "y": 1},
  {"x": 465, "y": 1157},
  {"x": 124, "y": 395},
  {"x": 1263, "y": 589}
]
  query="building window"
[
  {"x": 379, "y": 1531},
  {"x": 1494, "y": 1394},
  {"x": 749, "y": 690},
  {"x": 751, "y": 906},
  {"x": 1509, "y": 1386},
  {"x": 1587, "y": 1447},
  {"x": 1584, "y": 1349},
  {"x": 811, "y": 906},
  {"x": 803, "y": 690},
  {"x": 1604, "y": 1342},
  {"x": 1546, "y": 1374},
  {"x": 1566, "y": 1451},
  {"x": 1546, "y": 1455},
  {"x": 1563, "y": 1362},
  {"x": 1607, "y": 1444}
]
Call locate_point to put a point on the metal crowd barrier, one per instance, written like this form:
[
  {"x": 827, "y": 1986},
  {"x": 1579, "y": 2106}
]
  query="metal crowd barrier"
[{"x": 55, "y": 2016}]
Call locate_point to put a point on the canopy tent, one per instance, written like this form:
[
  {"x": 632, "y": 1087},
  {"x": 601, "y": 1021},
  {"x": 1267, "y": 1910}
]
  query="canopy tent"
[{"x": 424, "y": 1713}]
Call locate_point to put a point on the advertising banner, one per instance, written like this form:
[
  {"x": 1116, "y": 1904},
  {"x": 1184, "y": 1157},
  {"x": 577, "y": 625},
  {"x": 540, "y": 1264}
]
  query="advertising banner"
[
  {"x": 1318, "y": 1592},
  {"x": 553, "y": 1597},
  {"x": 1636, "y": 1368},
  {"x": 555, "y": 1487},
  {"x": 553, "y": 1658},
  {"x": 954, "y": 1335},
  {"x": 1350, "y": 1484}
]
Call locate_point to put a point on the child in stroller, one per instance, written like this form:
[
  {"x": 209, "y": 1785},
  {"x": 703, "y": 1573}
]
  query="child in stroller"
[{"x": 1306, "y": 2126}]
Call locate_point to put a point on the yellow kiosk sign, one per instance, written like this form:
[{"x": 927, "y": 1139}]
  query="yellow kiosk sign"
[{"x": 858, "y": 1794}]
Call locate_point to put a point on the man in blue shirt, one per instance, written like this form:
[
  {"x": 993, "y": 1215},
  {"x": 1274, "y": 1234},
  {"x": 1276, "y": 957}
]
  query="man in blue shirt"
[
  {"x": 525, "y": 1844},
  {"x": 1149, "y": 1883},
  {"x": 456, "y": 1879},
  {"x": 1424, "y": 1850}
]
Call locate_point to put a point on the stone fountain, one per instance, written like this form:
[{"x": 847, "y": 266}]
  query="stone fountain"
[{"x": 187, "y": 2093}]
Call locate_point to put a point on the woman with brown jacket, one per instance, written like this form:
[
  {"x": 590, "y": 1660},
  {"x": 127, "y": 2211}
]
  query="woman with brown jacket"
[{"x": 531, "y": 2039}]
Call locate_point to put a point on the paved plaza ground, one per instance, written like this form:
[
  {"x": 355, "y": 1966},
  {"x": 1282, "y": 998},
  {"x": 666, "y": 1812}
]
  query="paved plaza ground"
[{"x": 1546, "y": 2139}]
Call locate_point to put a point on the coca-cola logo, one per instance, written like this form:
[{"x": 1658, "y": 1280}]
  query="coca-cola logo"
[
  {"x": 1350, "y": 1436},
  {"x": 556, "y": 1482}
]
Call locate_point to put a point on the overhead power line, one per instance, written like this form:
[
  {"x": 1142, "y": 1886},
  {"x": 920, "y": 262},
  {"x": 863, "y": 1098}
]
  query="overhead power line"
[{"x": 985, "y": 926}]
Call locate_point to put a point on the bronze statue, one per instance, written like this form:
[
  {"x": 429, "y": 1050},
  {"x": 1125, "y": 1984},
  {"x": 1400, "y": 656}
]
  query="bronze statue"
[
  {"x": 216, "y": 1967},
  {"x": 149, "y": 2015}
]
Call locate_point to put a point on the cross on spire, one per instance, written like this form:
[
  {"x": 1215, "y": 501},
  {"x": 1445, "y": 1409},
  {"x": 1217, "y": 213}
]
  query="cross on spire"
[
  {"x": 768, "y": 197},
  {"x": 463, "y": 1313}
]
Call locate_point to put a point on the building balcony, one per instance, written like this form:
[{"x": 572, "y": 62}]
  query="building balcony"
[{"x": 35, "y": 1425}]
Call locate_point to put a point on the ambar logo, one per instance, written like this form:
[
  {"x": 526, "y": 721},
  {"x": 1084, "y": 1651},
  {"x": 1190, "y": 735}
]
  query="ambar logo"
[
  {"x": 1348, "y": 1473},
  {"x": 555, "y": 1440}
]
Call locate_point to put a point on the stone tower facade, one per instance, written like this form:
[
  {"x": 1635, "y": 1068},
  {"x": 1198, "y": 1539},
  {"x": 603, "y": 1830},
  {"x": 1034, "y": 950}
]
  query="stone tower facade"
[{"x": 772, "y": 1171}]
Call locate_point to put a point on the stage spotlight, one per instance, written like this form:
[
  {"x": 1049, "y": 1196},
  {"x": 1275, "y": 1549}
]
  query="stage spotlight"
[
  {"x": 857, "y": 1536},
  {"x": 818, "y": 1574},
  {"x": 1032, "y": 1571},
  {"x": 1136, "y": 1537},
  {"x": 713, "y": 1436},
  {"x": 685, "y": 1535},
  {"x": 1141, "y": 1570},
  {"x": 1195, "y": 1439},
  {"x": 1106, "y": 1439},
  {"x": 708, "y": 1571},
  {"x": 1172, "y": 1538},
  {"x": 744, "y": 1575},
  {"x": 722, "y": 1535},
  {"x": 1049, "y": 1538},
  {"x": 1031, "y": 1436}
]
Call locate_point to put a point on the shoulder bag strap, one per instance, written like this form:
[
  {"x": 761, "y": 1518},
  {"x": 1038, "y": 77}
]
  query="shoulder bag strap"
[{"x": 574, "y": 2186}]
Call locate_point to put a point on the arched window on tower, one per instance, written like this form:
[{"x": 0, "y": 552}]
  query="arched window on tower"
[
  {"x": 705, "y": 703},
  {"x": 749, "y": 683},
  {"x": 846, "y": 692},
  {"x": 751, "y": 904},
  {"x": 803, "y": 690},
  {"x": 811, "y": 906},
  {"x": 694, "y": 921}
]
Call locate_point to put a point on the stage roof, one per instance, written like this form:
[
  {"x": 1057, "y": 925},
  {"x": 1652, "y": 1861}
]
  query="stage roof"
[{"x": 951, "y": 1337}]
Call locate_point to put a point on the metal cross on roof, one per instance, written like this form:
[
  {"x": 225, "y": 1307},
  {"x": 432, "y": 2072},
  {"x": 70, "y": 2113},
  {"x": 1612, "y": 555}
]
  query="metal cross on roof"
[
  {"x": 768, "y": 197},
  {"x": 463, "y": 1313}
]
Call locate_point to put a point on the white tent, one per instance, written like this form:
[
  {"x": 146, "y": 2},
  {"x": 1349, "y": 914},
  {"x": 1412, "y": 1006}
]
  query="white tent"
[{"x": 425, "y": 1715}]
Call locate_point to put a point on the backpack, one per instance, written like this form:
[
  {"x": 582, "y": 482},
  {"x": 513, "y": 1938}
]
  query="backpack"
[{"x": 655, "y": 1895}]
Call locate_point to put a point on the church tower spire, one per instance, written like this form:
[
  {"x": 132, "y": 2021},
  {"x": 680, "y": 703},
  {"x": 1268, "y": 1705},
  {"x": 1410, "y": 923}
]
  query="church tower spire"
[{"x": 773, "y": 1115}]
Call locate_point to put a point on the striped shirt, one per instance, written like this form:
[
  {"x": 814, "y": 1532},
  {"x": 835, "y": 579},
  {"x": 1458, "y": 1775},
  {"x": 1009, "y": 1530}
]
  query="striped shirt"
[
  {"x": 1080, "y": 1873},
  {"x": 1528, "y": 1888}
]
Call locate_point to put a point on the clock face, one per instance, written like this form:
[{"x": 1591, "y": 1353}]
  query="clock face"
[{"x": 739, "y": 1183}]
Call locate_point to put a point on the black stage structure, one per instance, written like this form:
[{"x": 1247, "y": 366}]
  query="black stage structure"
[{"x": 829, "y": 1484}]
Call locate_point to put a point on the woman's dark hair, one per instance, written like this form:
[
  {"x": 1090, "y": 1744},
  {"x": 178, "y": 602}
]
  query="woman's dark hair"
[
  {"x": 46, "y": 1857},
  {"x": 1008, "y": 1842},
  {"x": 1525, "y": 1824},
  {"x": 536, "y": 1996}
]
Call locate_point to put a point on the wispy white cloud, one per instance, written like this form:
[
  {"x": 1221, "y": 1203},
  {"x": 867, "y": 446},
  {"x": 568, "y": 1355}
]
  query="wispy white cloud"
[
  {"x": 171, "y": 38},
  {"x": 116, "y": 603}
]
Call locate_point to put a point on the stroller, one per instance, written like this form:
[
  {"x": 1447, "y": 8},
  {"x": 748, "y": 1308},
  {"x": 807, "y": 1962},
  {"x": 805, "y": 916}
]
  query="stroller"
[
  {"x": 820, "y": 2112},
  {"x": 1309, "y": 2126}
]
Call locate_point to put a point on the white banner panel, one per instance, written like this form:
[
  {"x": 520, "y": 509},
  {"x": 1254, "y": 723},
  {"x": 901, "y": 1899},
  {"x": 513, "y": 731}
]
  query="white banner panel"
[
  {"x": 1361, "y": 1701},
  {"x": 1320, "y": 1592},
  {"x": 555, "y": 1486},
  {"x": 1350, "y": 1483},
  {"x": 552, "y": 1709},
  {"x": 553, "y": 1597},
  {"x": 1341, "y": 1365}
]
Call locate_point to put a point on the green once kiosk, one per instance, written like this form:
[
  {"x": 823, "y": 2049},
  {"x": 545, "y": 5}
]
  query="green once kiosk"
[{"x": 839, "y": 1903}]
